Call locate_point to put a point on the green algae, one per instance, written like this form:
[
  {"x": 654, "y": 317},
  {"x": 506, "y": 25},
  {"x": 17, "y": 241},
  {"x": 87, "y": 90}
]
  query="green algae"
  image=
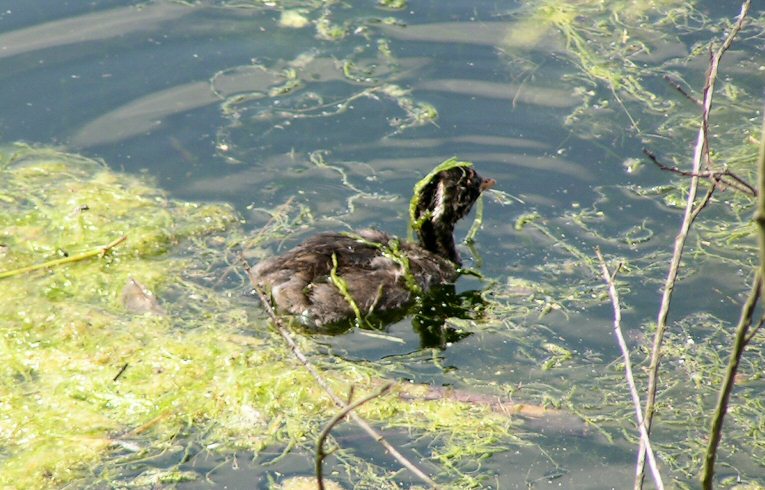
[
  {"x": 617, "y": 72},
  {"x": 602, "y": 40},
  {"x": 349, "y": 64},
  {"x": 93, "y": 394},
  {"x": 342, "y": 286},
  {"x": 64, "y": 330},
  {"x": 610, "y": 76},
  {"x": 393, "y": 251},
  {"x": 416, "y": 223}
]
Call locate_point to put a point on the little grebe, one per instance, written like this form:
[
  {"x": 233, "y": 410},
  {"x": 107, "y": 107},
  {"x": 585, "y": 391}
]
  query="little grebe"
[{"x": 335, "y": 276}]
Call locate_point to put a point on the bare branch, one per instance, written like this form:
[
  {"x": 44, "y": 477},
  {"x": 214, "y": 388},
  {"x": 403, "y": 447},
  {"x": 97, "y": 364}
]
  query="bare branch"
[
  {"x": 701, "y": 205},
  {"x": 614, "y": 295},
  {"x": 760, "y": 214},
  {"x": 328, "y": 390},
  {"x": 100, "y": 252},
  {"x": 736, "y": 182},
  {"x": 320, "y": 454},
  {"x": 739, "y": 343},
  {"x": 669, "y": 285}
]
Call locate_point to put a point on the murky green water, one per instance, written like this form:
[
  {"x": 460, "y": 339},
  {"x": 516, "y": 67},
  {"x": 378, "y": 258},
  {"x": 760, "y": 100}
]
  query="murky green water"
[{"x": 341, "y": 108}]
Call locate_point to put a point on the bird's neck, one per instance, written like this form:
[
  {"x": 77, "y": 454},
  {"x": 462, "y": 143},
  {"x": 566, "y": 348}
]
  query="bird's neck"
[{"x": 438, "y": 237}]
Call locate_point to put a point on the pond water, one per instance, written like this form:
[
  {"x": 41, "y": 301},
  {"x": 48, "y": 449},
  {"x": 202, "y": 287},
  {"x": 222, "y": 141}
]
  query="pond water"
[{"x": 340, "y": 108}]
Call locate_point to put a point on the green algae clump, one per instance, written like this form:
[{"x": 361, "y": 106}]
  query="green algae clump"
[
  {"x": 64, "y": 332},
  {"x": 97, "y": 392}
]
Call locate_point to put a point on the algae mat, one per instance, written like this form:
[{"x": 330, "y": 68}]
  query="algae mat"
[
  {"x": 64, "y": 332},
  {"x": 94, "y": 389}
]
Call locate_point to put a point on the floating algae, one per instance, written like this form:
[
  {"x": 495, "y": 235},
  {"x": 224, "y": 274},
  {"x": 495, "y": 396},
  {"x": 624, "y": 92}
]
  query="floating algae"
[
  {"x": 63, "y": 330},
  {"x": 94, "y": 391}
]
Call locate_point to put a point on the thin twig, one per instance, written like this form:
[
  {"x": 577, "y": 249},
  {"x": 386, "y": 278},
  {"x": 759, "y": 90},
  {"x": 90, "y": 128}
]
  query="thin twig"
[
  {"x": 682, "y": 91},
  {"x": 327, "y": 389},
  {"x": 101, "y": 251},
  {"x": 708, "y": 89},
  {"x": 669, "y": 285},
  {"x": 120, "y": 372},
  {"x": 739, "y": 343},
  {"x": 272, "y": 221},
  {"x": 614, "y": 295},
  {"x": 737, "y": 182},
  {"x": 702, "y": 204},
  {"x": 320, "y": 454}
]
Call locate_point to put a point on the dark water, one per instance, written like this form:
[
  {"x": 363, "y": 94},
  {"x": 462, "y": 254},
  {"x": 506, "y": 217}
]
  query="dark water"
[{"x": 144, "y": 87}]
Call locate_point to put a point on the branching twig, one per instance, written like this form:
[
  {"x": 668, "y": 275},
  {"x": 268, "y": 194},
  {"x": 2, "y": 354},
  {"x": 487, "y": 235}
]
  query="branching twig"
[
  {"x": 733, "y": 180},
  {"x": 669, "y": 285},
  {"x": 101, "y": 251},
  {"x": 328, "y": 390},
  {"x": 320, "y": 454},
  {"x": 614, "y": 295},
  {"x": 702, "y": 204}
]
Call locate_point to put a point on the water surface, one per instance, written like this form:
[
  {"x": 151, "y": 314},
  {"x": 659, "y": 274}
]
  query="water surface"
[{"x": 227, "y": 102}]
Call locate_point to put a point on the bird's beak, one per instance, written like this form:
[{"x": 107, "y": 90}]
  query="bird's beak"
[{"x": 487, "y": 184}]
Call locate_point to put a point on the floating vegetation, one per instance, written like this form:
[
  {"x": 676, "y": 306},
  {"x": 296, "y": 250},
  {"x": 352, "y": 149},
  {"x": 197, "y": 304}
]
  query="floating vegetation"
[
  {"x": 627, "y": 63},
  {"x": 392, "y": 4},
  {"x": 116, "y": 359},
  {"x": 335, "y": 80},
  {"x": 631, "y": 68},
  {"x": 293, "y": 19},
  {"x": 95, "y": 388},
  {"x": 635, "y": 73}
]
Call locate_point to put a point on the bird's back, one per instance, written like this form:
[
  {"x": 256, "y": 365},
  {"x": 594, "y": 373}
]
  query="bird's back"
[{"x": 331, "y": 276}]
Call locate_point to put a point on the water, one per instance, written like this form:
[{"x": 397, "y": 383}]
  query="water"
[{"x": 223, "y": 104}]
